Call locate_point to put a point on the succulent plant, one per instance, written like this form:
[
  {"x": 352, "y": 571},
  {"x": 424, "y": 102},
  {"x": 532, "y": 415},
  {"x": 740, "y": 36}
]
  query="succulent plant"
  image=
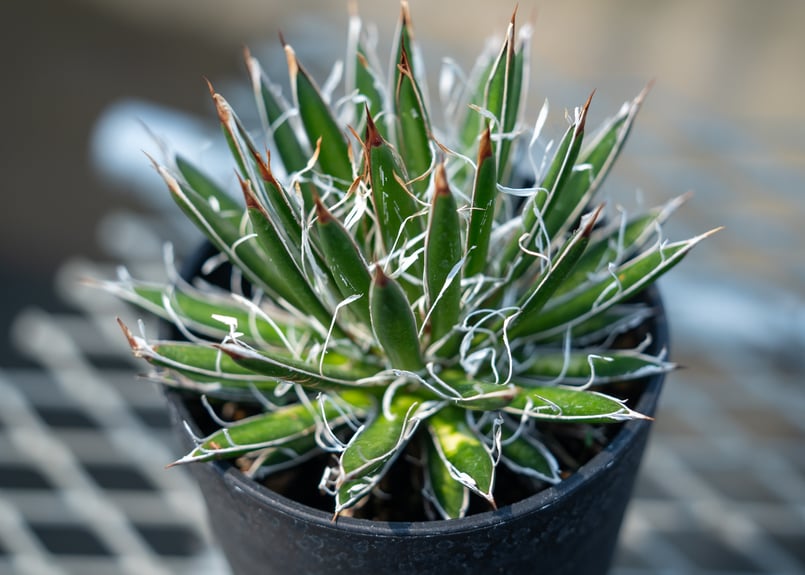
[{"x": 451, "y": 292}]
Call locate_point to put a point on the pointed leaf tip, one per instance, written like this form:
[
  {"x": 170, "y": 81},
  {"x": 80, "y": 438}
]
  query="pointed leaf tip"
[
  {"x": 441, "y": 187},
  {"x": 248, "y": 194},
  {"x": 133, "y": 343},
  {"x": 405, "y": 14},
  {"x": 373, "y": 137},
  {"x": 380, "y": 278},
  {"x": 209, "y": 86},
  {"x": 485, "y": 147},
  {"x": 583, "y": 114}
]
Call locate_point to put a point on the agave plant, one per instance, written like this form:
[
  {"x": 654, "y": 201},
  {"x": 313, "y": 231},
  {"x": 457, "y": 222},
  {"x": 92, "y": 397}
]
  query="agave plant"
[{"x": 450, "y": 292}]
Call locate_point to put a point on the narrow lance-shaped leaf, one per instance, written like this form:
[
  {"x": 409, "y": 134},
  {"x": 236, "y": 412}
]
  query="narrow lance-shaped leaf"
[
  {"x": 271, "y": 429},
  {"x": 462, "y": 452},
  {"x": 413, "y": 125},
  {"x": 449, "y": 497},
  {"x": 442, "y": 256},
  {"x": 240, "y": 143},
  {"x": 372, "y": 449},
  {"x": 570, "y": 405},
  {"x": 368, "y": 84},
  {"x": 482, "y": 212},
  {"x": 207, "y": 188},
  {"x": 503, "y": 93},
  {"x": 288, "y": 223},
  {"x": 582, "y": 367},
  {"x": 362, "y": 77},
  {"x": 623, "y": 282},
  {"x": 394, "y": 324},
  {"x": 472, "y": 121},
  {"x": 197, "y": 310},
  {"x": 552, "y": 277},
  {"x": 595, "y": 161},
  {"x": 468, "y": 393},
  {"x": 222, "y": 233},
  {"x": 258, "y": 171},
  {"x": 287, "y": 368},
  {"x": 292, "y": 285},
  {"x": 539, "y": 236},
  {"x": 393, "y": 203},
  {"x": 345, "y": 261},
  {"x": 517, "y": 86},
  {"x": 564, "y": 200},
  {"x": 207, "y": 367},
  {"x": 319, "y": 122},
  {"x": 404, "y": 38},
  {"x": 280, "y": 206},
  {"x": 618, "y": 244},
  {"x": 275, "y": 112},
  {"x": 527, "y": 456}
]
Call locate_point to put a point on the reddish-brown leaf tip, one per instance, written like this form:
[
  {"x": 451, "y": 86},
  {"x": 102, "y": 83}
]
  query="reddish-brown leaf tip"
[
  {"x": 249, "y": 196},
  {"x": 593, "y": 218},
  {"x": 441, "y": 187},
  {"x": 379, "y": 278},
  {"x": 373, "y": 137},
  {"x": 583, "y": 115},
  {"x": 485, "y": 145},
  {"x": 129, "y": 336},
  {"x": 322, "y": 213}
]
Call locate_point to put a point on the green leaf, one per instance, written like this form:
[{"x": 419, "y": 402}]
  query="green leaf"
[
  {"x": 617, "y": 244},
  {"x": 413, "y": 125},
  {"x": 547, "y": 202},
  {"x": 271, "y": 429},
  {"x": 275, "y": 111},
  {"x": 345, "y": 262},
  {"x": 570, "y": 405},
  {"x": 579, "y": 367},
  {"x": 503, "y": 93},
  {"x": 449, "y": 497},
  {"x": 466, "y": 457},
  {"x": 319, "y": 122},
  {"x": 552, "y": 278},
  {"x": 394, "y": 323},
  {"x": 472, "y": 394},
  {"x": 208, "y": 369},
  {"x": 442, "y": 258},
  {"x": 208, "y": 189},
  {"x": 292, "y": 284},
  {"x": 517, "y": 88},
  {"x": 527, "y": 456},
  {"x": 472, "y": 122},
  {"x": 373, "y": 449},
  {"x": 288, "y": 368},
  {"x": 595, "y": 161},
  {"x": 482, "y": 213},
  {"x": 563, "y": 200},
  {"x": 394, "y": 205},
  {"x": 195, "y": 309},
  {"x": 282, "y": 209},
  {"x": 222, "y": 233},
  {"x": 600, "y": 295}
]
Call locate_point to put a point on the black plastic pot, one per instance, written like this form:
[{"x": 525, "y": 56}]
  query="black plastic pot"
[{"x": 568, "y": 529}]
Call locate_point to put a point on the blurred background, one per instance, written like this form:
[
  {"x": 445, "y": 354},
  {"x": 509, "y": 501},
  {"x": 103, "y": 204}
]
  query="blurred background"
[{"x": 82, "y": 446}]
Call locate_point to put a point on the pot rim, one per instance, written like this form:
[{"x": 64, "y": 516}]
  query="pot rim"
[{"x": 647, "y": 403}]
